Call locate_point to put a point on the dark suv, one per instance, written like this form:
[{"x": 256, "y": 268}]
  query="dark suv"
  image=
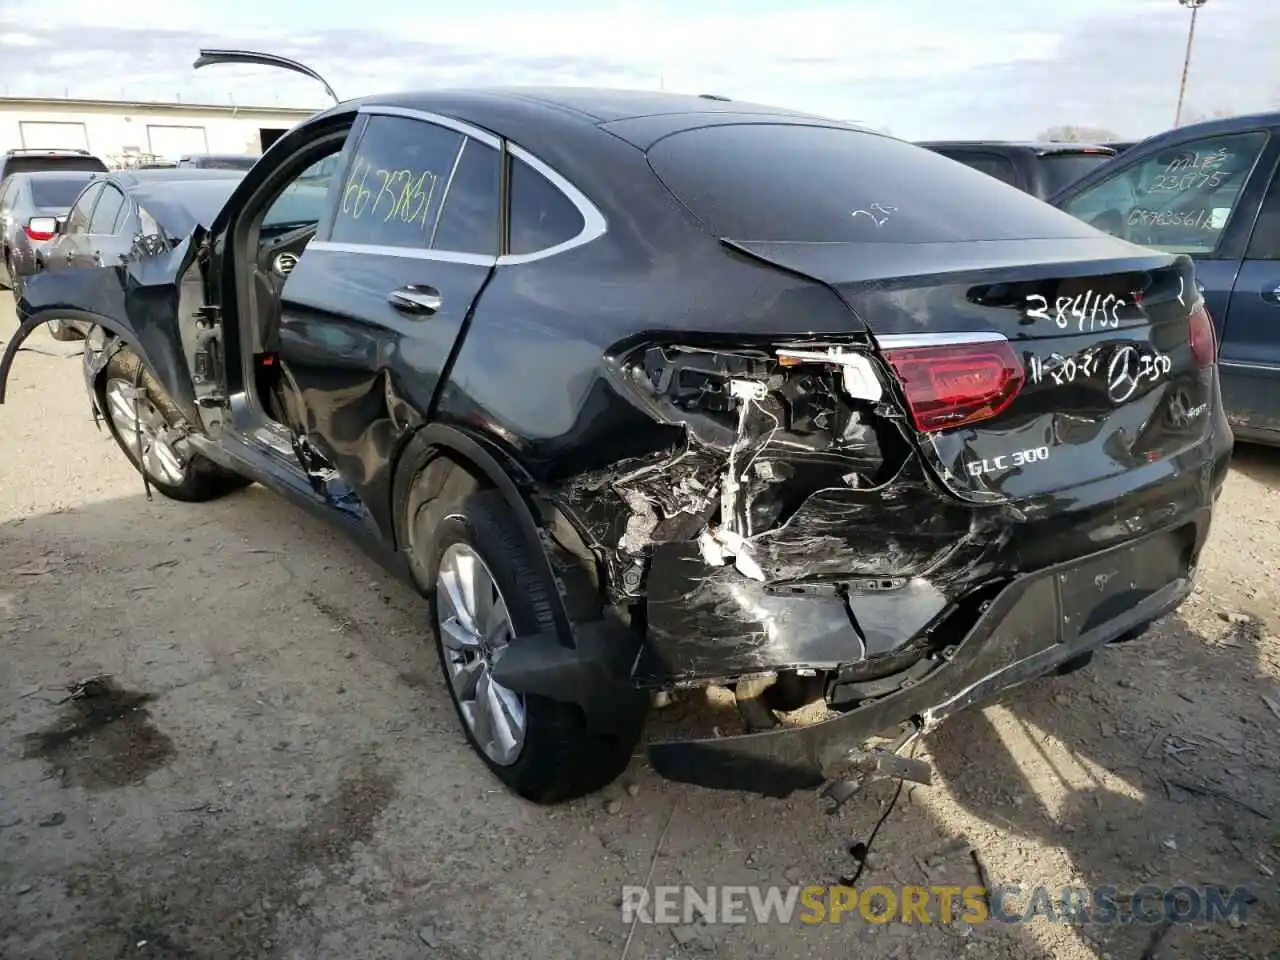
[
  {"x": 1040, "y": 169},
  {"x": 23, "y": 160}
]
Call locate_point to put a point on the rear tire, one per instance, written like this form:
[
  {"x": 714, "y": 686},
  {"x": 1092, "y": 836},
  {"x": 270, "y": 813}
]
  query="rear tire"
[
  {"x": 558, "y": 758},
  {"x": 189, "y": 477}
]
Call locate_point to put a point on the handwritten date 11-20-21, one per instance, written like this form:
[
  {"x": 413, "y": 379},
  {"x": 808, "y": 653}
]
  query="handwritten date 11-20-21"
[{"x": 1090, "y": 311}]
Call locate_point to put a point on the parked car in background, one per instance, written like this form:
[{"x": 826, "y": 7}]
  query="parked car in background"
[
  {"x": 218, "y": 161},
  {"x": 635, "y": 412},
  {"x": 129, "y": 215},
  {"x": 30, "y": 206},
  {"x": 1212, "y": 191},
  {"x": 30, "y": 161},
  {"x": 1040, "y": 169}
]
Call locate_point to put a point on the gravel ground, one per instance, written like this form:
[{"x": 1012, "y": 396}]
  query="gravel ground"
[{"x": 275, "y": 769}]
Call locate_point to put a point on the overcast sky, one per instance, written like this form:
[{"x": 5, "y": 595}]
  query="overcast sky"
[{"x": 922, "y": 68}]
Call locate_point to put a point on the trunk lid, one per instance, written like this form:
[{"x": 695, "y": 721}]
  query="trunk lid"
[{"x": 1028, "y": 367}]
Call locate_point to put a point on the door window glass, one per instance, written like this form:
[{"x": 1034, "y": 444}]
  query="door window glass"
[
  {"x": 468, "y": 222},
  {"x": 392, "y": 192},
  {"x": 1265, "y": 244},
  {"x": 1178, "y": 199},
  {"x": 541, "y": 216},
  {"x": 106, "y": 212},
  {"x": 304, "y": 201},
  {"x": 78, "y": 218}
]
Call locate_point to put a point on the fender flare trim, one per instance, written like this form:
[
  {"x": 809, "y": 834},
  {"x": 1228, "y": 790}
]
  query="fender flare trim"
[{"x": 435, "y": 438}]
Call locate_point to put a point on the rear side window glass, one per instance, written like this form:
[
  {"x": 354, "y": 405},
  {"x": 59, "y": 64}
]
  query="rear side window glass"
[
  {"x": 541, "y": 215},
  {"x": 990, "y": 164},
  {"x": 78, "y": 218},
  {"x": 1063, "y": 169},
  {"x": 789, "y": 182},
  {"x": 469, "y": 221},
  {"x": 1265, "y": 243},
  {"x": 55, "y": 192},
  {"x": 391, "y": 194},
  {"x": 1178, "y": 199},
  {"x": 107, "y": 212}
]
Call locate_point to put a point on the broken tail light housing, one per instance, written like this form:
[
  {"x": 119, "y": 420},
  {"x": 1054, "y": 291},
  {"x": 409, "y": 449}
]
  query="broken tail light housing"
[
  {"x": 41, "y": 229},
  {"x": 950, "y": 385},
  {"x": 1200, "y": 336}
]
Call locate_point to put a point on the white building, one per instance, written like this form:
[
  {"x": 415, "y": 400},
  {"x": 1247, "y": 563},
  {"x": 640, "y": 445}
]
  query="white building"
[{"x": 123, "y": 133}]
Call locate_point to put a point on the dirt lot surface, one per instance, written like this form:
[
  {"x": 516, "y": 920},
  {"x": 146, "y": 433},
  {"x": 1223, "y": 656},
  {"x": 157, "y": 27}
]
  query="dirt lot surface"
[{"x": 276, "y": 771}]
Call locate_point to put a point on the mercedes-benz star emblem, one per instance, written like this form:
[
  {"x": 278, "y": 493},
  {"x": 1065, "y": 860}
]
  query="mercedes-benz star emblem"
[{"x": 1122, "y": 378}]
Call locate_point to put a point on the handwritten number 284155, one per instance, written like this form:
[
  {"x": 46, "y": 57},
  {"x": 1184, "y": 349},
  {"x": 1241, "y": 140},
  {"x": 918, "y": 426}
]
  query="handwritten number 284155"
[{"x": 1089, "y": 310}]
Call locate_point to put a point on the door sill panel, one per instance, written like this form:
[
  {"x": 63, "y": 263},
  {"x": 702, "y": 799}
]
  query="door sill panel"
[{"x": 254, "y": 459}]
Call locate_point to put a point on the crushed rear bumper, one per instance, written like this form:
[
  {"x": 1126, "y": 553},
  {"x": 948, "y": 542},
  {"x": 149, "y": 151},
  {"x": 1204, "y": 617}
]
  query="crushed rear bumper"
[{"x": 1038, "y": 622}]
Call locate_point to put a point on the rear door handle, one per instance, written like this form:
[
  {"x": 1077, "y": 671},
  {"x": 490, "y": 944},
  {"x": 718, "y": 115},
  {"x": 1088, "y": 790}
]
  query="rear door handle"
[
  {"x": 415, "y": 298},
  {"x": 1271, "y": 293}
]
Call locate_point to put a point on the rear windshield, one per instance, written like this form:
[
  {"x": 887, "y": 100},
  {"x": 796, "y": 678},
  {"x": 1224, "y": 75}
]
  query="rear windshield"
[
  {"x": 21, "y": 164},
  {"x": 61, "y": 192},
  {"x": 789, "y": 182},
  {"x": 1061, "y": 169}
]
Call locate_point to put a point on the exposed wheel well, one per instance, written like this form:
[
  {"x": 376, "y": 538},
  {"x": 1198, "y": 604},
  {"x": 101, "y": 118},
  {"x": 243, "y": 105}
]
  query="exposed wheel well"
[{"x": 443, "y": 464}]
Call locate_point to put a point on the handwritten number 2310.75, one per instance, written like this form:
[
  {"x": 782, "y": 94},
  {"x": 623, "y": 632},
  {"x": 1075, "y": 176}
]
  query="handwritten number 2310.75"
[{"x": 1090, "y": 310}]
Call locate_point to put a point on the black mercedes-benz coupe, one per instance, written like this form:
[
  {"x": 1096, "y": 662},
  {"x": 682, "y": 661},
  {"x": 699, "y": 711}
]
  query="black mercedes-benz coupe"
[{"x": 646, "y": 391}]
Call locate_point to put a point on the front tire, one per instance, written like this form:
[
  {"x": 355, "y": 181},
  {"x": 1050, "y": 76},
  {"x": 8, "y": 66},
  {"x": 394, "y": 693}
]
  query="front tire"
[
  {"x": 487, "y": 594},
  {"x": 151, "y": 437}
]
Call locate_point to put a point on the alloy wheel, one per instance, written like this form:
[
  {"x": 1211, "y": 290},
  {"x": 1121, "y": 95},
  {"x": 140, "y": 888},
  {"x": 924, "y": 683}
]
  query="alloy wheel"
[
  {"x": 474, "y": 627},
  {"x": 147, "y": 434}
]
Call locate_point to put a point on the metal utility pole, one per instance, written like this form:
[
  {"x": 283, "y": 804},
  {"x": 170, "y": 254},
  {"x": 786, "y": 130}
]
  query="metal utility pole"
[{"x": 1195, "y": 5}]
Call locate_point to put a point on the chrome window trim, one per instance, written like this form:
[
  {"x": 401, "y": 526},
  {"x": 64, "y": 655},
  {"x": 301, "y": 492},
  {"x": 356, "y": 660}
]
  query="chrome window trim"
[
  {"x": 904, "y": 341},
  {"x": 448, "y": 185},
  {"x": 407, "y": 253},
  {"x": 458, "y": 126},
  {"x": 1253, "y": 367},
  {"x": 594, "y": 224}
]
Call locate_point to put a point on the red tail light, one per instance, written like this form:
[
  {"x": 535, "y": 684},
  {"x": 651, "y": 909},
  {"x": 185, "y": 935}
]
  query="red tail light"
[
  {"x": 1204, "y": 345},
  {"x": 950, "y": 385},
  {"x": 40, "y": 229}
]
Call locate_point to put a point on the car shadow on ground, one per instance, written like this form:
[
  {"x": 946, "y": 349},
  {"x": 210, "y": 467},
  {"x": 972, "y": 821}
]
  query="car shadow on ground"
[
  {"x": 295, "y": 727},
  {"x": 1149, "y": 768},
  {"x": 1259, "y": 463}
]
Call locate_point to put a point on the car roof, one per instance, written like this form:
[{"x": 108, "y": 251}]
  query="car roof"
[
  {"x": 603, "y": 104},
  {"x": 558, "y": 123},
  {"x": 54, "y": 175},
  {"x": 133, "y": 178},
  {"x": 1038, "y": 147},
  {"x": 1219, "y": 126}
]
